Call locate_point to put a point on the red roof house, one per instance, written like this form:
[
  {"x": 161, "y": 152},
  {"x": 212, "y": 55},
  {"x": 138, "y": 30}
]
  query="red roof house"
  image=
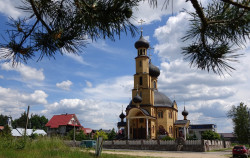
[{"x": 61, "y": 124}]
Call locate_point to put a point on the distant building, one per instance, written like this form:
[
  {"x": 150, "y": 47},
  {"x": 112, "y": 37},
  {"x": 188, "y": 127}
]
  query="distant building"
[
  {"x": 62, "y": 124},
  {"x": 198, "y": 129},
  {"x": 19, "y": 132},
  {"x": 228, "y": 137}
]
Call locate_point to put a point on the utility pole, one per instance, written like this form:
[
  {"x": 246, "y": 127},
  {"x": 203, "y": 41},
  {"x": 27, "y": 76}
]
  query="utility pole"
[
  {"x": 27, "y": 121},
  {"x": 74, "y": 132}
]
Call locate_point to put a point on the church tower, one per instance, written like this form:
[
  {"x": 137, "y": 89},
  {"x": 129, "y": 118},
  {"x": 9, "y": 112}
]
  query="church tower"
[{"x": 150, "y": 114}]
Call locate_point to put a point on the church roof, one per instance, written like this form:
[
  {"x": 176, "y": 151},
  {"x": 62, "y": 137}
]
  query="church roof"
[
  {"x": 162, "y": 100},
  {"x": 141, "y": 43},
  {"x": 153, "y": 70}
]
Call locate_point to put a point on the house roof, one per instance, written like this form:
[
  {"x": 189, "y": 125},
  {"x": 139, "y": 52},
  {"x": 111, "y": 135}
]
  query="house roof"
[
  {"x": 87, "y": 130},
  {"x": 227, "y": 135},
  {"x": 18, "y": 132},
  {"x": 1, "y": 127},
  {"x": 62, "y": 120}
]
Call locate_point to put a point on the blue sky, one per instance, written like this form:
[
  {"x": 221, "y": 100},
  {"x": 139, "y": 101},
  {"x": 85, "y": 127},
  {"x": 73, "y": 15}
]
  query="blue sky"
[{"x": 95, "y": 84}]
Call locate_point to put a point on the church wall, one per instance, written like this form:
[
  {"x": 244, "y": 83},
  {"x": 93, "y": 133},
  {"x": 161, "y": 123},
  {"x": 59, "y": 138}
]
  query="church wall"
[{"x": 166, "y": 121}]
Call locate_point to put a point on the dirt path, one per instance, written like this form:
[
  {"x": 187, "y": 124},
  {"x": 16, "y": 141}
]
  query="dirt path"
[{"x": 171, "y": 154}]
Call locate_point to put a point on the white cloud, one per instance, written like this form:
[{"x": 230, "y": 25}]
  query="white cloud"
[
  {"x": 116, "y": 89},
  {"x": 64, "y": 85},
  {"x": 150, "y": 14},
  {"x": 1, "y": 77},
  {"x": 77, "y": 58},
  {"x": 89, "y": 84},
  {"x": 13, "y": 102},
  {"x": 8, "y": 8},
  {"x": 169, "y": 37},
  {"x": 28, "y": 73}
]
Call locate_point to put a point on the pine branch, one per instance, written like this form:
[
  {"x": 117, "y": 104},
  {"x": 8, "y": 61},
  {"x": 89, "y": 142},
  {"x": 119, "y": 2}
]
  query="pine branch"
[{"x": 238, "y": 4}]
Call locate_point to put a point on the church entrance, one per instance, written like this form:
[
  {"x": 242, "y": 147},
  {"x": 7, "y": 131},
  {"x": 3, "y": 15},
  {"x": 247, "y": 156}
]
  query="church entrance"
[{"x": 139, "y": 133}]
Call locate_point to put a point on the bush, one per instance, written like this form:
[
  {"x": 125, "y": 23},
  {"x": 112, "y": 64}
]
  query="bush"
[
  {"x": 210, "y": 135},
  {"x": 167, "y": 138}
]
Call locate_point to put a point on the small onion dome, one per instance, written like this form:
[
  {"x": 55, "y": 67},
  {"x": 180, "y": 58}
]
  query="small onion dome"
[
  {"x": 122, "y": 116},
  {"x": 153, "y": 70},
  {"x": 141, "y": 43},
  {"x": 137, "y": 99},
  {"x": 184, "y": 112}
]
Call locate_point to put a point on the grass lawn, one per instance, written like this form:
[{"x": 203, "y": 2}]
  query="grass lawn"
[{"x": 45, "y": 147}]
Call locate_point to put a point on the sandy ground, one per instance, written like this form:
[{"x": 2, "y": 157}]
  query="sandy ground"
[{"x": 170, "y": 154}]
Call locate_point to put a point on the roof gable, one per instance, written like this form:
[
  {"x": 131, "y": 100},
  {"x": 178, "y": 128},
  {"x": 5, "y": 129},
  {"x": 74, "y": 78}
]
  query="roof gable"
[{"x": 61, "y": 120}]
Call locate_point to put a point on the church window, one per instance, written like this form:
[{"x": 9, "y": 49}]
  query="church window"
[
  {"x": 160, "y": 114},
  {"x": 171, "y": 130},
  {"x": 140, "y": 94},
  {"x": 154, "y": 84},
  {"x": 140, "y": 80},
  {"x": 153, "y": 129},
  {"x": 143, "y": 51},
  {"x": 140, "y": 64},
  {"x": 170, "y": 114},
  {"x": 140, "y": 51}
]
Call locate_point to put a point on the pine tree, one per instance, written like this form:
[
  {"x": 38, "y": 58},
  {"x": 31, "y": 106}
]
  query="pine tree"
[{"x": 216, "y": 30}]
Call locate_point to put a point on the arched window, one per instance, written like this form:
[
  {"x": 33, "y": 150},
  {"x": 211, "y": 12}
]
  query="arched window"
[
  {"x": 140, "y": 51},
  {"x": 140, "y": 63},
  {"x": 140, "y": 80},
  {"x": 160, "y": 114},
  {"x": 171, "y": 130},
  {"x": 144, "y": 51},
  {"x": 170, "y": 114},
  {"x": 154, "y": 84}
]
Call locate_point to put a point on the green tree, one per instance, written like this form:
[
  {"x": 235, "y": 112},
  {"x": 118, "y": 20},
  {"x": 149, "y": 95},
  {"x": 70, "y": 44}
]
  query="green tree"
[
  {"x": 3, "y": 120},
  {"x": 79, "y": 136},
  {"x": 38, "y": 122},
  {"x": 112, "y": 134},
  {"x": 210, "y": 135},
  {"x": 101, "y": 134},
  {"x": 240, "y": 118},
  {"x": 21, "y": 121}
]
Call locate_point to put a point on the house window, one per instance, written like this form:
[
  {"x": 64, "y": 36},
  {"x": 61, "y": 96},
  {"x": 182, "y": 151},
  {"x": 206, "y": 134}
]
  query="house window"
[
  {"x": 160, "y": 114},
  {"x": 140, "y": 94},
  {"x": 153, "y": 129},
  {"x": 140, "y": 80}
]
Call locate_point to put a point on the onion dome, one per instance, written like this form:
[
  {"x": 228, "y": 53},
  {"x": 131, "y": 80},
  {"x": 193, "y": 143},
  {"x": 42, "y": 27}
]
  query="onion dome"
[
  {"x": 141, "y": 43},
  {"x": 137, "y": 99},
  {"x": 184, "y": 112},
  {"x": 154, "y": 71},
  {"x": 122, "y": 116}
]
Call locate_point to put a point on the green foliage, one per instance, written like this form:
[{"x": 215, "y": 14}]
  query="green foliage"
[
  {"x": 210, "y": 135},
  {"x": 101, "y": 134},
  {"x": 21, "y": 121},
  {"x": 214, "y": 30},
  {"x": 38, "y": 122},
  {"x": 193, "y": 137},
  {"x": 240, "y": 120},
  {"x": 54, "y": 26},
  {"x": 112, "y": 135},
  {"x": 78, "y": 136},
  {"x": 6, "y": 131},
  {"x": 167, "y": 138},
  {"x": 3, "y": 120}
]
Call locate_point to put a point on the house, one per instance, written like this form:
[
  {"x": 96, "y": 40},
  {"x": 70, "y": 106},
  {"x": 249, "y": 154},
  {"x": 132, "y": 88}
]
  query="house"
[
  {"x": 198, "y": 129},
  {"x": 62, "y": 124},
  {"x": 228, "y": 137}
]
